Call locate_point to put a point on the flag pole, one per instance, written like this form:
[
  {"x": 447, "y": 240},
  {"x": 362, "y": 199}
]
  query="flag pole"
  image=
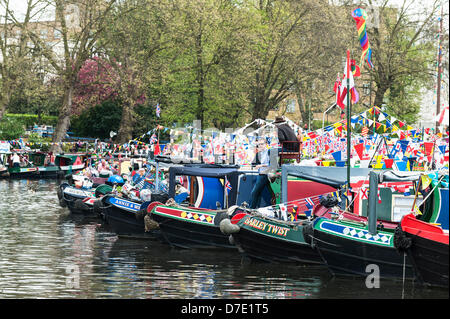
[
  {"x": 439, "y": 63},
  {"x": 348, "y": 126}
]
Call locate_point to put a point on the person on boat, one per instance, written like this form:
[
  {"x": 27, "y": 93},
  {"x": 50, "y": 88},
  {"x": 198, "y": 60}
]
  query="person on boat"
[
  {"x": 139, "y": 177},
  {"x": 262, "y": 163},
  {"x": 15, "y": 160},
  {"x": 285, "y": 134},
  {"x": 104, "y": 169},
  {"x": 103, "y": 166},
  {"x": 145, "y": 164}
]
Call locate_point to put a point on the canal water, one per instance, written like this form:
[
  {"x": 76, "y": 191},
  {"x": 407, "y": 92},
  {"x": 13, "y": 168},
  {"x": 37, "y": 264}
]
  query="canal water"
[{"x": 46, "y": 252}]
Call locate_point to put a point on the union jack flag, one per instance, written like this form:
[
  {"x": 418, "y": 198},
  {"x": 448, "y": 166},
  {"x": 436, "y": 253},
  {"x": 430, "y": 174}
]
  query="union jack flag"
[
  {"x": 153, "y": 139},
  {"x": 228, "y": 187},
  {"x": 158, "y": 110},
  {"x": 309, "y": 203}
]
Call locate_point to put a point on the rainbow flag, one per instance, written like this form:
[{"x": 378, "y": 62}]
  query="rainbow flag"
[{"x": 360, "y": 16}]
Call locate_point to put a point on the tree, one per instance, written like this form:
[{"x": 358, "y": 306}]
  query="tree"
[
  {"x": 16, "y": 58},
  {"x": 98, "y": 121},
  {"x": 293, "y": 44},
  {"x": 135, "y": 34},
  {"x": 79, "y": 23},
  {"x": 97, "y": 82},
  {"x": 403, "y": 51}
]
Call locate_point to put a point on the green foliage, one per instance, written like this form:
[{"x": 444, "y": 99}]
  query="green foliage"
[
  {"x": 10, "y": 129},
  {"x": 225, "y": 62},
  {"x": 145, "y": 119},
  {"x": 98, "y": 121},
  {"x": 404, "y": 100},
  {"x": 36, "y": 138},
  {"x": 30, "y": 119}
]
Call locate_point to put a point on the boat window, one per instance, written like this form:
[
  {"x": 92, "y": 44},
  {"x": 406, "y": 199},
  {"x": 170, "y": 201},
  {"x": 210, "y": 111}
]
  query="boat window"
[{"x": 401, "y": 205}]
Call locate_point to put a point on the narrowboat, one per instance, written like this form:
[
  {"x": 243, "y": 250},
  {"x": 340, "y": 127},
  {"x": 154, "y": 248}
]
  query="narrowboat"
[
  {"x": 195, "y": 224},
  {"x": 349, "y": 247},
  {"x": 80, "y": 199},
  {"x": 126, "y": 217},
  {"x": 424, "y": 238},
  {"x": 265, "y": 236},
  {"x": 192, "y": 222},
  {"x": 426, "y": 246},
  {"x": 126, "y": 208},
  {"x": 26, "y": 169}
]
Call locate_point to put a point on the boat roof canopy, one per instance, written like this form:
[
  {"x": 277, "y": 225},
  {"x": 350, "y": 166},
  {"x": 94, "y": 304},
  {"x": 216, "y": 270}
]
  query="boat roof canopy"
[
  {"x": 204, "y": 171},
  {"x": 332, "y": 176}
]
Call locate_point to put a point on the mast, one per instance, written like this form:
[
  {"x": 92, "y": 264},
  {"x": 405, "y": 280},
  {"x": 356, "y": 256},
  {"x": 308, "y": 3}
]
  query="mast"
[
  {"x": 349, "y": 131},
  {"x": 439, "y": 62}
]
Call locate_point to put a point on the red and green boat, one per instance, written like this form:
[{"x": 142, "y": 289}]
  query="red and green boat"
[
  {"x": 426, "y": 246},
  {"x": 348, "y": 248},
  {"x": 186, "y": 227},
  {"x": 261, "y": 236},
  {"x": 196, "y": 223}
]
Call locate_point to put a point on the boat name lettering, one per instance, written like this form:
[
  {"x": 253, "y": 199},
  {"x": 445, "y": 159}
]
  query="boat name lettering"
[
  {"x": 254, "y": 223},
  {"x": 127, "y": 204},
  {"x": 269, "y": 228},
  {"x": 75, "y": 191}
]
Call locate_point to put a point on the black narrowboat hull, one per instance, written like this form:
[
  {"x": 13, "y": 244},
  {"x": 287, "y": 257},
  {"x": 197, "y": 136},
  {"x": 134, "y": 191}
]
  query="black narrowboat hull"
[
  {"x": 430, "y": 260},
  {"x": 77, "y": 206},
  {"x": 260, "y": 247},
  {"x": 73, "y": 200},
  {"x": 182, "y": 234},
  {"x": 24, "y": 175},
  {"x": 345, "y": 257},
  {"x": 51, "y": 174},
  {"x": 127, "y": 223}
]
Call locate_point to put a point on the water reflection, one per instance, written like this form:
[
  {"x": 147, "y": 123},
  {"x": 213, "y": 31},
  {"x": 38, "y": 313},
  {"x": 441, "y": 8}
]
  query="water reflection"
[{"x": 46, "y": 252}]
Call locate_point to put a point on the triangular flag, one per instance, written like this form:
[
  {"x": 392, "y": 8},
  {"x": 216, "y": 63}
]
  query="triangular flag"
[
  {"x": 157, "y": 150},
  {"x": 359, "y": 148}
]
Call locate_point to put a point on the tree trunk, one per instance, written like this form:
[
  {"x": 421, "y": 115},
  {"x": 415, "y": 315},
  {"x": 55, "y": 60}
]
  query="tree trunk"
[
  {"x": 2, "y": 110},
  {"x": 301, "y": 105},
  {"x": 63, "y": 120},
  {"x": 4, "y": 102},
  {"x": 379, "y": 95},
  {"x": 126, "y": 124},
  {"x": 259, "y": 111},
  {"x": 201, "y": 101}
]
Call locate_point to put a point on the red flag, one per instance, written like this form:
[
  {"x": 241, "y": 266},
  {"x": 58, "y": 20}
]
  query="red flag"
[
  {"x": 428, "y": 146},
  {"x": 359, "y": 148},
  {"x": 388, "y": 162},
  {"x": 355, "y": 68},
  {"x": 157, "y": 148},
  {"x": 354, "y": 97},
  {"x": 337, "y": 89}
]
